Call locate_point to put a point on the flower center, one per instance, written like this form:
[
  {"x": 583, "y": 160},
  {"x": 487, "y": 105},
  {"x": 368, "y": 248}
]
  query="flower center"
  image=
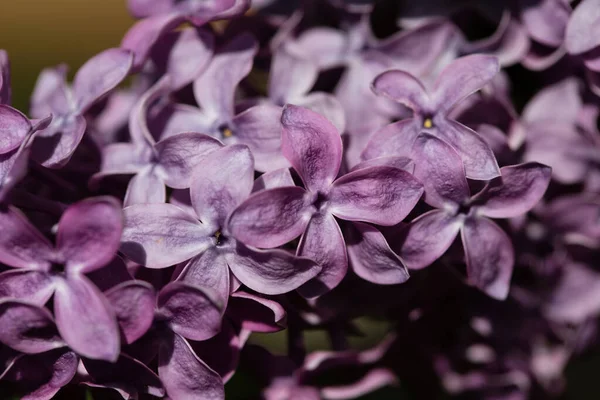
[
  {"x": 320, "y": 200},
  {"x": 57, "y": 268},
  {"x": 428, "y": 122},
  {"x": 225, "y": 131},
  {"x": 220, "y": 238}
]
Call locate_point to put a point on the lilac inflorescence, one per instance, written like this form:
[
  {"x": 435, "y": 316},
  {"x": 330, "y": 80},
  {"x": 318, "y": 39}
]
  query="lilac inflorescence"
[{"x": 245, "y": 166}]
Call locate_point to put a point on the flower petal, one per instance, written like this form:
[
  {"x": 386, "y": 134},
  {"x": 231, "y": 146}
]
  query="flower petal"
[
  {"x": 210, "y": 270},
  {"x": 161, "y": 235},
  {"x": 290, "y": 77},
  {"x": 259, "y": 128},
  {"x": 145, "y": 187},
  {"x": 184, "y": 375},
  {"x": 270, "y": 271},
  {"x": 462, "y": 77},
  {"x": 89, "y": 233},
  {"x": 519, "y": 189},
  {"x": 327, "y": 105},
  {"x": 14, "y": 127},
  {"x": 427, "y": 238},
  {"x": 221, "y": 181},
  {"x": 381, "y": 195},
  {"x": 477, "y": 156},
  {"x": 312, "y": 145},
  {"x": 371, "y": 257},
  {"x": 53, "y": 147},
  {"x": 323, "y": 242},
  {"x": 256, "y": 314},
  {"x": 215, "y": 88},
  {"x": 21, "y": 244},
  {"x": 403, "y": 88},
  {"x": 99, "y": 75},
  {"x": 489, "y": 255},
  {"x": 140, "y": 38},
  {"x": 184, "y": 55},
  {"x": 394, "y": 139},
  {"x": 5, "y": 88},
  {"x": 192, "y": 311},
  {"x": 127, "y": 375},
  {"x": 441, "y": 171},
  {"x": 582, "y": 29},
  {"x": 43, "y": 375},
  {"x": 546, "y": 21},
  {"x": 133, "y": 303},
  {"x": 85, "y": 319},
  {"x": 273, "y": 179},
  {"x": 34, "y": 286},
  {"x": 179, "y": 154},
  {"x": 271, "y": 217},
  {"x": 27, "y": 328},
  {"x": 560, "y": 101}
]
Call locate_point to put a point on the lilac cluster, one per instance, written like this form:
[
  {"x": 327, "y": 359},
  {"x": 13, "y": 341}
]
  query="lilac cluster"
[{"x": 242, "y": 166}]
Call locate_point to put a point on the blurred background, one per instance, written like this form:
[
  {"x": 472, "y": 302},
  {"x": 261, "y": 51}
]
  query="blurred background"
[{"x": 43, "y": 33}]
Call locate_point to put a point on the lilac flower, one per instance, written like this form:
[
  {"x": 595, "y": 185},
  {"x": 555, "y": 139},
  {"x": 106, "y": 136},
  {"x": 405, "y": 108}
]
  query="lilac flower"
[
  {"x": 30, "y": 329},
  {"x": 55, "y": 145},
  {"x": 88, "y": 237},
  {"x": 489, "y": 252},
  {"x": 458, "y": 80},
  {"x": 180, "y": 312},
  {"x": 168, "y": 162},
  {"x": 161, "y": 235},
  {"x": 166, "y": 15},
  {"x": 258, "y": 127},
  {"x": 381, "y": 195}
]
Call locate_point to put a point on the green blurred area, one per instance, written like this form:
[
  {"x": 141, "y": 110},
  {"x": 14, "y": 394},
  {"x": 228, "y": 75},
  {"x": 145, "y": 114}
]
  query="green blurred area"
[{"x": 43, "y": 33}]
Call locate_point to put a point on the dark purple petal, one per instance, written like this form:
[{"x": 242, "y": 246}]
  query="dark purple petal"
[
  {"x": 427, "y": 238},
  {"x": 14, "y": 127},
  {"x": 271, "y": 217},
  {"x": 270, "y": 271},
  {"x": 192, "y": 311},
  {"x": 27, "y": 328},
  {"x": 54, "y": 147},
  {"x": 403, "y": 163},
  {"x": 371, "y": 257},
  {"x": 323, "y": 242},
  {"x": 519, "y": 189},
  {"x": 127, "y": 375},
  {"x": 99, "y": 75},
  {"x": 21, "y": 244},
  {"x": 392, "y": 140},
  {"x": 441, "y": 171},
  {"x": 477, "y": 156},
  {"x": 221, "y": 181},
  {"x": 43, "y": 375},
  {"x": 184, "y": 375},
  {"x": 312, "y": 145},
  {"x": 85, "y": 319},
  {"x": 179, "y": 154},
  {"x": 89, "y": 234},
  {"x": 133, "y": 303},
  {"x": 489, "y": 255},
  {"x": 381, "y": 195},
  {"x": 215, "y": 88},
  {"x": 462, "y": 77},
  {"x": 161, "y": 235},
  {"x": 221, "y": 352},
  {"x": 402, "y": 87},
  {"x": 209, "y": 270},
  {"x": 256, "y": 314}
]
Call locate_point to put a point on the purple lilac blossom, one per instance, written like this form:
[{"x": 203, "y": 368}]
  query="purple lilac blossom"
[{"x": 238, "y": 168}]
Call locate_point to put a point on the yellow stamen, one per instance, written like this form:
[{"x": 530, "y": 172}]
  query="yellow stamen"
[
  {"x": 217, "y": 234},
  {"x": 428, "y": 123},
  {"x": 227, "y": 132}
]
